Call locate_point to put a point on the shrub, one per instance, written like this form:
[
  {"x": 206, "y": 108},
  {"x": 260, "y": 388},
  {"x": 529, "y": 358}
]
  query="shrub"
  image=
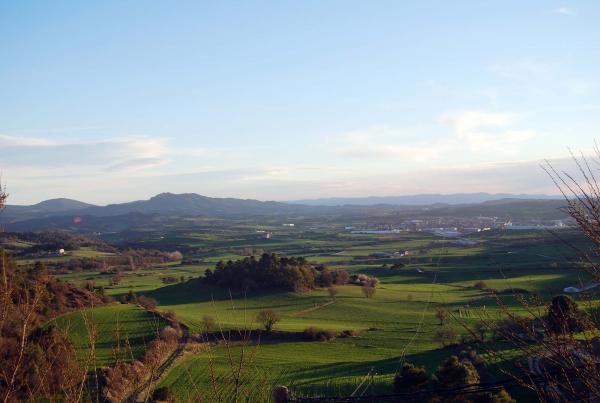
[
  {"x": 410, "y": 379},
  {"x": 162, "y": 394},
  {"x": 169, "y": 334},
  {"x": 513, "y": 327},
  {"x": 446, "y": 337},
  {"x": 130, "y": 298},
  {"x": 171, "y": 316},
  {"x": 470, "y": 354},
  {"x": 315, "y": 333},
  {"x": 147, "y": 303},
  {"x": 349, "y": 333},
  {"x": 480, "y": 285},
  {"x": 364, "y": 280},
  {"x": 564, "y": 316},
  {"x": 454, "y": 373}
]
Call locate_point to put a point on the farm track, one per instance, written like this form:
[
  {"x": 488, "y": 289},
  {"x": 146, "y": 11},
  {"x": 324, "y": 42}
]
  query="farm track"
[
  {"x": 309, "y": 310},
  {"x": 146, "y": 386}
]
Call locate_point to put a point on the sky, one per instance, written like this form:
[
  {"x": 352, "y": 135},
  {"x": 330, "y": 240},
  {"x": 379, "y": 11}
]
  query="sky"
[{"x": 113, "y": 101}]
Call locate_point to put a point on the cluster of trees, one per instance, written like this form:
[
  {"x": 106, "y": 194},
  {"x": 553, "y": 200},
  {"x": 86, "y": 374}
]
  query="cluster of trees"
[
  {"x": 271, "y": 271},
  {"x": 563, "y": 317},
  {"x": 457, "y": 375},
  {"x": 54, "y": 239},
  {"x": 130, "y": 259}
]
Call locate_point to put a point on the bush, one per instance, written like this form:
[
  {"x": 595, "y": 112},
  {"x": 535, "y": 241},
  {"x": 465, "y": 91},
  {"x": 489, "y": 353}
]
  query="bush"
[
  {"x": 513, "y": 327},
  {"x": 446, "y": 337},
  {"x": 349, "y": 333},
  {"x": 564, "y": 316},
  {"x": 147, "y": 303},
  {"x": 454, "y": 373},
  {"x": 162, "y": 394},
  {"x": 480, "y": 285},
  {"x": 315, "y": 333},
  {"x": 410, "y": 379},
  {"x": 169, "y": 334}
]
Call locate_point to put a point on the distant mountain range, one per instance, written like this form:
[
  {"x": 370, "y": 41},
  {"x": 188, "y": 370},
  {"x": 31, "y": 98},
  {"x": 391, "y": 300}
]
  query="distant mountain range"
[
  {"x": 420, "y": 199},
  {"x": 172, "y": 208},
  {"x": 187, "y": 204}
]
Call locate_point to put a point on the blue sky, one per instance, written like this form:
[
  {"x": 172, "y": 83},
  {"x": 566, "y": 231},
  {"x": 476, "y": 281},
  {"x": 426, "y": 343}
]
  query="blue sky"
[{"x": 118, "y": 100}]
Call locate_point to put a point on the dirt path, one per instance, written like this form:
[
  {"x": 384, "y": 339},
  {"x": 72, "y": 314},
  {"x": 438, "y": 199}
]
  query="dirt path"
[
  {"x": 309, "y": 310},
  {"x": 139, "y": 393}
]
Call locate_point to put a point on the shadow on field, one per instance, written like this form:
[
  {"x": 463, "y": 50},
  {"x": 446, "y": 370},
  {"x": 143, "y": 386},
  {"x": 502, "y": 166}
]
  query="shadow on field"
[
  {"x": 195, "y": 291},
  {"x": 430, "y": 360}
]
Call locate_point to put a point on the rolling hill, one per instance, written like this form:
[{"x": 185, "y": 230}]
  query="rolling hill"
[{"x": 71, "y": 214}]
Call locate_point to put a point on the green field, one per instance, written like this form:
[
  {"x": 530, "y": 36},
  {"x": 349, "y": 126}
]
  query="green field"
[
  {"x": 123, "y": 331},
  {"x": 397, "y": 323}
]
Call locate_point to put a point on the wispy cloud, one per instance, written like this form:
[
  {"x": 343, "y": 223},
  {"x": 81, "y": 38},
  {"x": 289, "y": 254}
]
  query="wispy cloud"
[
  {"x": 464, "y": 122},
  {"x": 565, "y": 11},
  {"x": 385, "y": 142},
  {"x": 485, "y": 131},
  {"x": 109, "y": 154},
  {"x": 135, "y": 164},
  {"x": 15, "y": 141}
]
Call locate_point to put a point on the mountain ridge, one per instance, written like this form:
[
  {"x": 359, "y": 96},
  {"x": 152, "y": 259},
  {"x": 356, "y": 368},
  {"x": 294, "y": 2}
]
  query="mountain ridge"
[{"x": 420, "y": 199}]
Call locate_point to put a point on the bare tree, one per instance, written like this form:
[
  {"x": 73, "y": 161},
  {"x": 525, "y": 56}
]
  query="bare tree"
[
  {"x": 368, "y": 291},
  {"x": 268, "y": 318},
  {"x": 442, "y": 315},
  {"x": 208, "y": 323},
  {"x": 3, "y": 196},
  {"x": 332, "y": 291}
]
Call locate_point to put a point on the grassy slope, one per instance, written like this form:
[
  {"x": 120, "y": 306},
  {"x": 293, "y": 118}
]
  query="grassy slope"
[{"x": 126, "y": 325}]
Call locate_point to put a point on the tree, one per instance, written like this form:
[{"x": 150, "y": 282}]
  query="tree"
[
  {"x": 442, "y": 315},
  {"x": 564, "y": 316},
  {"x": 208, "y": 323},
  {"x": 368, "y": 291},
  {"x": 480, "y": 329},
  {"x": 480, "y": 285},
  {"x": 3, "y": 196},
  {"x": 147, "y": 302},
  {"x": 332, "y": 291},
  {"x": 268, "y": 318},
  {"x": 410, "y": 379},
  {"x": 341, "y": 277},
  {"x": 454, "y": 373},
  {"x": 325, "y": 278},
  {"x": 445, "y": 337},
  {"x": 131, "y": 298}
]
